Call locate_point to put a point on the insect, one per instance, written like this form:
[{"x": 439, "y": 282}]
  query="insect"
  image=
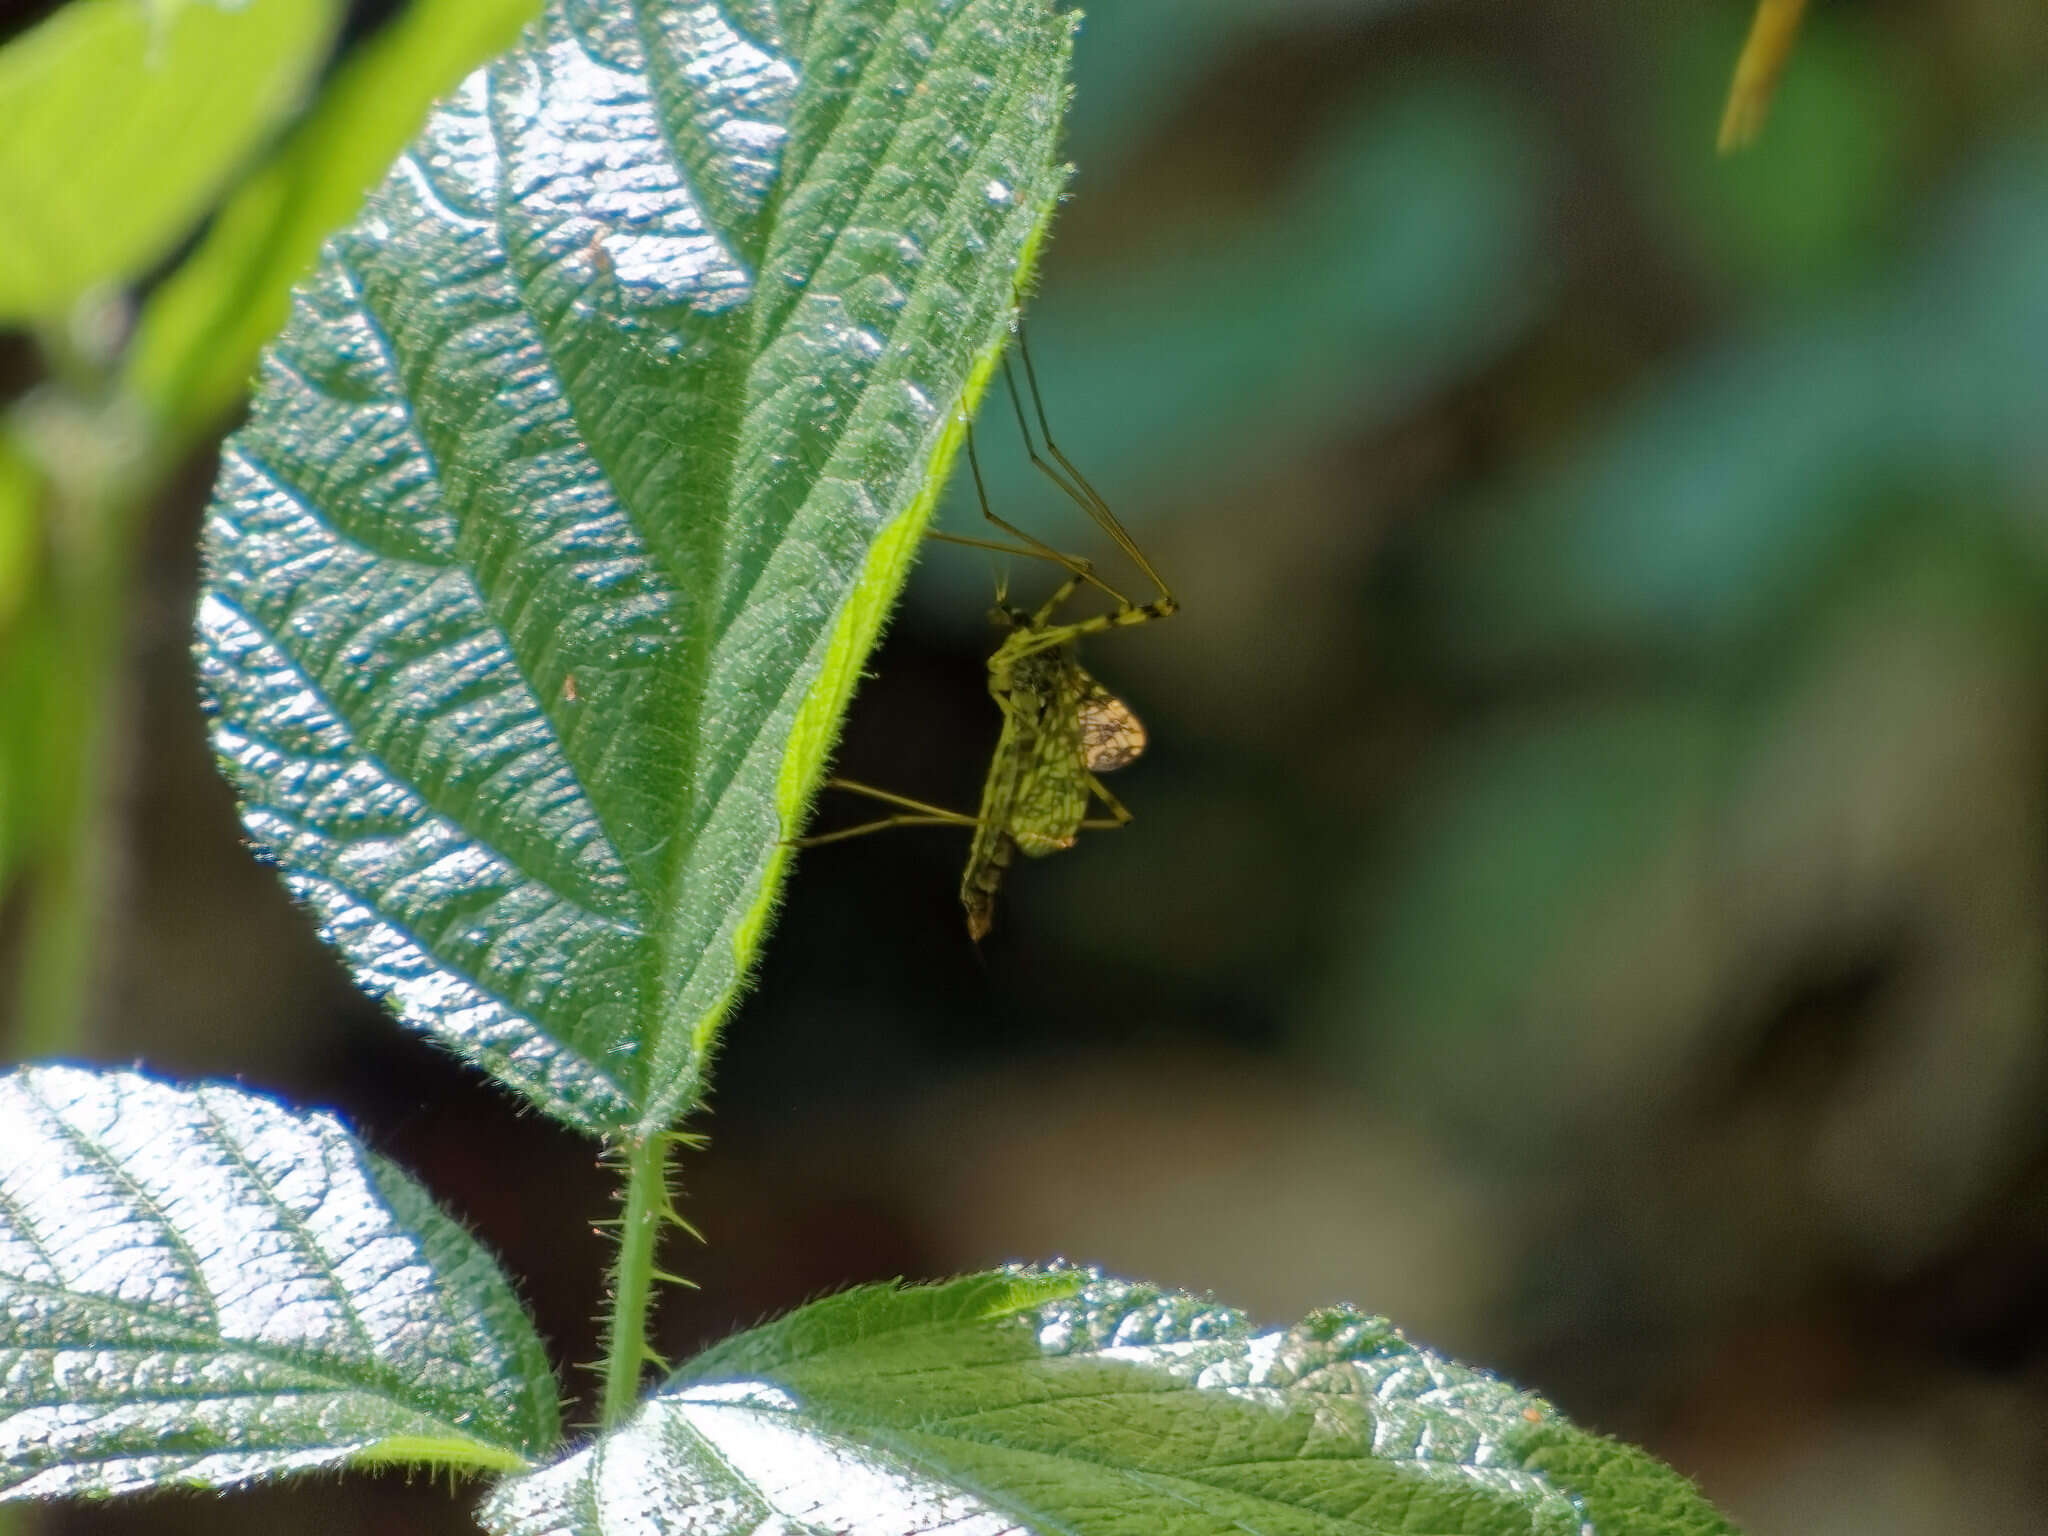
[{"x": 1061, "y": 727}]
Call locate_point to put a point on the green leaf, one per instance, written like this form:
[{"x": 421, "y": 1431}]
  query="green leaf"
[
  {"x": 578, "y": 488},
  {"x": 199, "y": 1288},
  {"x": 124, "y": 121},
  {"x": 1062, "y": 1402},
  {"x": 199, "y": 334}
]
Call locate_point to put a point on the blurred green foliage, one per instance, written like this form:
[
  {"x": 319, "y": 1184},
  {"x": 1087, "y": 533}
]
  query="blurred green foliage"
[
  {"x": 128, "y": 124},
  {"x": 150, "y": 110},
  {"x": 1813, "y": 203},
  {"x": 1604, "y": 741},
  {"x": 1605, "y": 726},
  {"x": 1398, "y": 257},
  {"x": 201, "y": 329}
]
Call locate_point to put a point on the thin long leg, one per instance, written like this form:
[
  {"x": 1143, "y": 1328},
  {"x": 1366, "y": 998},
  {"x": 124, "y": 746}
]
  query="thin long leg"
[
  {"x": 1046, "y": 638},
  {"x": 883, "y": 825},
  {"x": 1078, "y": 488},
  {"x": 1061, "y": 594},
  {"x": 1081, "y": 493},
  {"x": 1116, "y": 806},
  {"x": 923, "y": 808},
  {"x": 1043, "y": 550},
  {"x": 1069, "y": 562}
]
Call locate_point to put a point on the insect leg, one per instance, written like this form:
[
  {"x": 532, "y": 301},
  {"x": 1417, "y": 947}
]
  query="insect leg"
[
  {"x": 883, "y": 825},
  {"x": 855, "y": 787},
  {"x": 1044, "y": 637},
  {"x": 915, "y": 813},
  {"x": 1070, "y": 562},
  {"x": 1058, "y": 600},
  {"x": 1077, "y": 488},
  {"x": 1115, "y": 806},
  {"x": 1081, "y": 569}
]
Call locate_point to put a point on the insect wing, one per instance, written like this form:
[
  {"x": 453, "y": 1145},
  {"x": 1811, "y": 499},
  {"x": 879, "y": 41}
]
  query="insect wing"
[
  {"x": 993, "y": 846},
  {"x": 1111, "y": 736},
  {"x": 1052, "y": 783},
  {"x": 1052, "y": 790}
]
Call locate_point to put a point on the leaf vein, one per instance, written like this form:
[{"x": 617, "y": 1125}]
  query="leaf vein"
[{"x": 627, "y": 925}]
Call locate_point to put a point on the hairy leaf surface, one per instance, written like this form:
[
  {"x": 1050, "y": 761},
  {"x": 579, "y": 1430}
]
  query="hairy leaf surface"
[
  {"x": 199, "y": 1288},
  {"x": 1057, "y": 1402},
  {"x": 576, "y": 491}
]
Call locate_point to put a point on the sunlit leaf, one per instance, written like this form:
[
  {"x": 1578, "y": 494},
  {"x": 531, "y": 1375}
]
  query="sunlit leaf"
[
  {"x": 199, "y": 334},
  {"x": 199, "y": 1288},
  {"x": 120, "y": 122},
  {"x": 1064, "y": 1403},
  {"x": 579, "y": 486}
]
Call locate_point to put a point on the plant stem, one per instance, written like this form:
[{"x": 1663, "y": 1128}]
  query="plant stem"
[
  {"x": 100, "y": 480},
  {"x": 640, "y": 1224},
  {"x": 66, "y": 940}
]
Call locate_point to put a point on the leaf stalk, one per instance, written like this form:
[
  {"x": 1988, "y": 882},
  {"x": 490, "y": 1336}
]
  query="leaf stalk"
[{"x": 633, "y": 1277}]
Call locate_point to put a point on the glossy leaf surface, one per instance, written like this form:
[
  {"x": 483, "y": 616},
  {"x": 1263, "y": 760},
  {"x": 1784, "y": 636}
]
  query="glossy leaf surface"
[
  {"x": 120, "y": 121},
  {"x": 199, "y": 1288},
  {"x": 578, "y": 487},
  {"x": 1057, "y": 1402}
]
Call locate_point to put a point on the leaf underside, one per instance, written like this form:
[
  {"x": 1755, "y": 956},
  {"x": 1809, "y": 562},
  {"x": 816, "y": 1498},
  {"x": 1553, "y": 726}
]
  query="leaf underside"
[
  {"x": 199, "y": 1288},
  {"x": 578, "y": 487},
  {"x": 1061, "y": 1402}
]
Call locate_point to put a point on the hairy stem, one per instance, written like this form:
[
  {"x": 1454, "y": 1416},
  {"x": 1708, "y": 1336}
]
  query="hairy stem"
[{"x": 640, "y": 1224}]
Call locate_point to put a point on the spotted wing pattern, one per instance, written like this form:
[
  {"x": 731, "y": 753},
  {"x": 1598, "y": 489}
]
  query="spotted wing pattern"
[
  {"x": 1111, "y": 736},
  {"x": 1052, "y": 781},
  {"x": 1060, "y": 728}
]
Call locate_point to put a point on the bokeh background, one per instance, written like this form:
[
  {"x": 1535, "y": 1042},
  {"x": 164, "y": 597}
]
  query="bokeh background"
[{"x": 1589, "y": 896}]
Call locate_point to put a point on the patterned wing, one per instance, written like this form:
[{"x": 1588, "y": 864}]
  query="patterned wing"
[
  {"x": 1111, "y": 736},
  {"x": 994, "y": 848},
  {"x": 1052, "y": 776}
]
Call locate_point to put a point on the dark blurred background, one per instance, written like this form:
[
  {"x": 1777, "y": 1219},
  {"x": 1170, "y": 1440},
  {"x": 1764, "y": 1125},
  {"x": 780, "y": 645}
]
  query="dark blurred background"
[{"x": 1589, "y": 892}]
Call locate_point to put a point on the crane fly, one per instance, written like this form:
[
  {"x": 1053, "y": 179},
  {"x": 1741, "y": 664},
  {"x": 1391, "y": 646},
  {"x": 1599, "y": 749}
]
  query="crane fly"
[{"x": 1061, "y": 727}]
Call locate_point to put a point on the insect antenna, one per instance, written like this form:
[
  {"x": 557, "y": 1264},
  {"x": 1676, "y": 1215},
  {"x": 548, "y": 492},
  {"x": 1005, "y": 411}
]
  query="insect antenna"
[{"x": 1073, "y": 482}]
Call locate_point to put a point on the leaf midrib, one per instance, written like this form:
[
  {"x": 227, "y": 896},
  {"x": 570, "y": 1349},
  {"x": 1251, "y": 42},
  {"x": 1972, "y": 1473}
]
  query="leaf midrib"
[
  {"x": 381, "y": 1377},
  {"x": 390, "y": 358}
]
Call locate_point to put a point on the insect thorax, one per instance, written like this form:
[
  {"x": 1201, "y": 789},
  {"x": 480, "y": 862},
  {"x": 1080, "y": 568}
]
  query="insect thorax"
[{"x": 1033, "y": 681}]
